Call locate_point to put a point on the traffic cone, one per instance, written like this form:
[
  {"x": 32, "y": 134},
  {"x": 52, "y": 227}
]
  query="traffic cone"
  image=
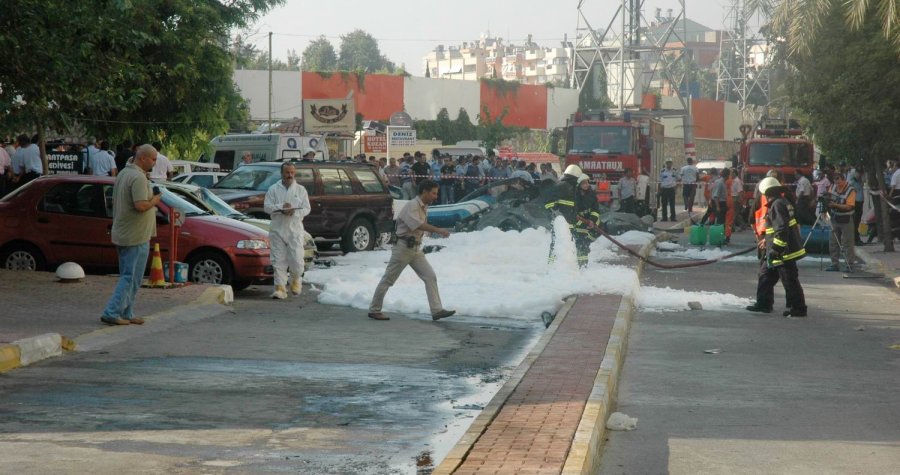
[{"x": 157, "y": 279}]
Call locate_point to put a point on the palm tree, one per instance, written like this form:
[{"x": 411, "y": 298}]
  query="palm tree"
[{"x": 801, "y": 20}]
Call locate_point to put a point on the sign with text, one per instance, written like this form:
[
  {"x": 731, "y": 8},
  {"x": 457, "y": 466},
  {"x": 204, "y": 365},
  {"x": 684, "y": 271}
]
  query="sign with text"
[
  {"x": 66, "y": 163},
  {"x": 403, "y": 137},
  {"x": 329, "y": 115},
  {"x": 375, "y": 143}
]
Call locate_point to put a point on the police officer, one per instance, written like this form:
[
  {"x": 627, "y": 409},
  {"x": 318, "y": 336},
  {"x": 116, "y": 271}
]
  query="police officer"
[
  {"x": 562, "y": 200},
  {"x": 668, "y": 179},
  {"x": 780, "y": 248}
]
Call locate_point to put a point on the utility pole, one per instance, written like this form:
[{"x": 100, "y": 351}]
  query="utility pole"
[{"x": 270, "y": 82}]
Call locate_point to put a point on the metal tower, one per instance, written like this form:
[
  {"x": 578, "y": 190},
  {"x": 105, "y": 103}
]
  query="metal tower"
[
  {"x": 632, "y": 56},
  {"x": 745, "y": 58}
]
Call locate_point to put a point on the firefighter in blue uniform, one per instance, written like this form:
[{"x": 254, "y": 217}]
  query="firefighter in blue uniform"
[
  {"x": 562, "y": 201},
  {"x": 782, "y": 248}
]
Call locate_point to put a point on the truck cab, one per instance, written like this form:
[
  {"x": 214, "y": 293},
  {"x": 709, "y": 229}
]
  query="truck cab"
[{"x": 782, "y": 149}]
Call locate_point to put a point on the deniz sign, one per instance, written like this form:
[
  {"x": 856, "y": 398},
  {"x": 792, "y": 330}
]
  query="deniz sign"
[{"x": 66, "y": 163}]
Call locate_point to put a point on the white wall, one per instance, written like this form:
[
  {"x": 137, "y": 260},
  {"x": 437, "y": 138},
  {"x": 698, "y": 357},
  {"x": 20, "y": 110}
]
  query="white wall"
[
  {"x": 425, "y": 97},
  {"x": 561, "y": 104},
  {"x": 286, "y": 93},
  {"x": 732, "y": 121}
]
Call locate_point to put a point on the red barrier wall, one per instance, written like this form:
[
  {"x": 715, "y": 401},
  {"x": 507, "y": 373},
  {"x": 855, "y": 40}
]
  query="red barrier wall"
[
  {"x": 379, "y": 97},
  {"x": 709, "y": 119},
  {"x": 527, "y": 104}
]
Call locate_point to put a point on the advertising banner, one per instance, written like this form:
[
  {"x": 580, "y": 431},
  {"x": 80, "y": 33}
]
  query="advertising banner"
[
  {"x": 375, "y": 143},
  {"x": 66, "y": 163},
  {"x": 402, "y": 137}
]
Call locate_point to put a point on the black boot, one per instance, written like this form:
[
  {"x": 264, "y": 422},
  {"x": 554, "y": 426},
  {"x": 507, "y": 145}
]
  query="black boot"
[
  {"x": 791, "y": 312},
  {"x": 758, "y": 307}
]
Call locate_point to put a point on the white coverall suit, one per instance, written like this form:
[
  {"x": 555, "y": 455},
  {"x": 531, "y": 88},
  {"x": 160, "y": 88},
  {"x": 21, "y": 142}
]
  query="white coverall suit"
[{"x": 286, "y": 231}]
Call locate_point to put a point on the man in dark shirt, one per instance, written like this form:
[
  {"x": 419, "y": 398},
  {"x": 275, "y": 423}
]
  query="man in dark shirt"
[
  {"x": 123, "y": 155},
  {"x": 421, "y": 170}
]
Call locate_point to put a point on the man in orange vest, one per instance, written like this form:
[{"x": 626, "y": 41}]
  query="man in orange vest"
[{"x": 604, "y": 195}]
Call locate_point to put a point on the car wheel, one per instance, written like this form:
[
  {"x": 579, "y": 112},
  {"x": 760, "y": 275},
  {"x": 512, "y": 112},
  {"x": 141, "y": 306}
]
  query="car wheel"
[
  {"x": 210, "y": 268},
  {"x": 359, "y": 236},
  {"x": 239, "y": 285},
  {"x": 23, "y": 257}
]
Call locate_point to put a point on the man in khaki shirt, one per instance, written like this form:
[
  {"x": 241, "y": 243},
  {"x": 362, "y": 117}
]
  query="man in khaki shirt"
[
  {"x": 412, "y": 224},
  {"x": 134, "y": 223}
]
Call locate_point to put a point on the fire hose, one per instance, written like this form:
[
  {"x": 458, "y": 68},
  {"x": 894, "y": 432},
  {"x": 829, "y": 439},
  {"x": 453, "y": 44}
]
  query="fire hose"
[{"x": 627, "y": 249}]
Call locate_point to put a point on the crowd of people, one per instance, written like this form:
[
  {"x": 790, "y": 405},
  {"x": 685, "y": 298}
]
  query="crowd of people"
[
  {"x": 455, "y": 176},
  {"x": 20, "y": 160}
]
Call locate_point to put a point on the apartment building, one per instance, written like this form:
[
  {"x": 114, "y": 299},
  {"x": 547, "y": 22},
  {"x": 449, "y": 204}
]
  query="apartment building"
[{"x": 491, "y": 58}]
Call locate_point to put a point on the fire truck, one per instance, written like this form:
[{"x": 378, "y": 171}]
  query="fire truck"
[
  {"x": 773, "y": 146},
  {"x": 602, "y": 145}
]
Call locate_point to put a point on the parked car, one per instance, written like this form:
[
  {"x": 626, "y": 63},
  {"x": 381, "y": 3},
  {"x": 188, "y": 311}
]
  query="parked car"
[
  {"x": 350, "y": 202},
  {"x": 61, "y": 218},
  {"x": 211, "y": 202},
  {"x": 187, "y": 166},
  {"x": 204, "y": 179}
]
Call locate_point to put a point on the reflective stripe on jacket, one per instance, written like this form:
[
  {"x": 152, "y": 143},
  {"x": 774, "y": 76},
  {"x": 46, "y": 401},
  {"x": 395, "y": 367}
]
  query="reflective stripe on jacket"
[{"x": 783, "y": 241}]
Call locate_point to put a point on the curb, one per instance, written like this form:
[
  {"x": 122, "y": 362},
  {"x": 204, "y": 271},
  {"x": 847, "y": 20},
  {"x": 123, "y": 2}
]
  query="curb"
[
  {"x": 877, "y": 264},
  {"x": 36, "y": 348},
  {"x": 458, "y": 453},
  {"x": 585, "y": 453}
]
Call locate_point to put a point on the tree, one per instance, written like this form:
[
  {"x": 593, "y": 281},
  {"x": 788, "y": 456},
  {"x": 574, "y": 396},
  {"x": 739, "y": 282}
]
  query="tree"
[
  {"x": 463, "y": 129},
  {"x": 319, "y": 56},
  {"x": 359, "y": 51},
  {"x": 491, "y": 131},
  {"x": 802, "y": 21},
  {"x": 848, "y": 86},
  {"x": 443, "y": 127},
  {"x": 104, "y": 65}
]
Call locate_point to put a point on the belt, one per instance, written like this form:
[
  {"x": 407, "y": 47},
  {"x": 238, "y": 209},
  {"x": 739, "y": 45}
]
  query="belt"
[{"x": 410, "y": 241}]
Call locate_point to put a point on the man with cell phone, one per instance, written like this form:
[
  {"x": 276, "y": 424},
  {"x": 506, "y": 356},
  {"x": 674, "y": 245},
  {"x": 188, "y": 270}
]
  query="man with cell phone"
[
  {"x": 287, "y": 202},
  {"x": 134, "y": 223}
]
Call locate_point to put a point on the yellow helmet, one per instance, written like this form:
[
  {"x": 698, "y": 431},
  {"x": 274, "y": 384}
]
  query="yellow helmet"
[
  {"x": 766, "y": 183},
  {"x": 573, "y": 170}
]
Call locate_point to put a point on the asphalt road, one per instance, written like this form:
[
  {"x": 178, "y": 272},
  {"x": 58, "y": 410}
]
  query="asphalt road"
[
  {"x": 812, "y": 395},
  {"x": 277, "y": 386}
]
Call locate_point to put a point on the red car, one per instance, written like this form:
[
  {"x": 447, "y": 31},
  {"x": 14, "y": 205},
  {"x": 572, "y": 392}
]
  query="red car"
[{"x": 63, "y": 218}]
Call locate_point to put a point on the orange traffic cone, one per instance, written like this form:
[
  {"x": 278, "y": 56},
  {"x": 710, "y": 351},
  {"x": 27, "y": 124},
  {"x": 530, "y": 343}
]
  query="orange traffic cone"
[{"x": 156, "y": 269}]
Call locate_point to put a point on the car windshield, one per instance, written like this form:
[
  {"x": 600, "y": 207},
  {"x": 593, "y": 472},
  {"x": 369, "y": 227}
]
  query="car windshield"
[
  {"x": 218, "y": 205},
  {"x": 792, "y": 154},
  {"x": 249, "y": 177},
  {"x": 174, "y": 201},
  {"x": 601, "y": 139}
]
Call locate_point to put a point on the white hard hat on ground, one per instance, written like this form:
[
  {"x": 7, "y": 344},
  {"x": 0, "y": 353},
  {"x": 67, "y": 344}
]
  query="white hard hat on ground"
[
  {"x": 766, "y": 183},
  {"x": 573, "y": 170}
]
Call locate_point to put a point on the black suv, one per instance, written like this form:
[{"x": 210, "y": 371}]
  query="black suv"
[{"x": 350, "y": 202}]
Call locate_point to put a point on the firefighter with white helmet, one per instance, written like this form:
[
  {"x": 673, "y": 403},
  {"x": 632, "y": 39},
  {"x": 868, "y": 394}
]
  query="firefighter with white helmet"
[
  {"x": 780, "y": 248},
  {"x": 562, "y": 200}
]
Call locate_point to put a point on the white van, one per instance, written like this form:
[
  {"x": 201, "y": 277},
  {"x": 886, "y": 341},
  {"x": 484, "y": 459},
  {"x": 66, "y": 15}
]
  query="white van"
[{"x": 228, "y": 149}]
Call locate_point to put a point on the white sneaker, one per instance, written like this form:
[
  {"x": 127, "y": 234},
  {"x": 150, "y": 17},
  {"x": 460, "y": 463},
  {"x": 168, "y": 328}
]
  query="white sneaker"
[
  {"x": 296, "y": 287},
  {"x": 279, "y": 292}
]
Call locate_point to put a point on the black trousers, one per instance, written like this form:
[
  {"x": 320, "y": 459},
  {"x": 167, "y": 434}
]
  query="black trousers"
[
  {"x": 667, "y": 200},
  {"x": 627, "y": 205},
  {"x": 857, "y": 217},
  {"x": 688, "y": 191},
  {"x": 790, "y": 279},
  {"x": 721, "y": 211}
]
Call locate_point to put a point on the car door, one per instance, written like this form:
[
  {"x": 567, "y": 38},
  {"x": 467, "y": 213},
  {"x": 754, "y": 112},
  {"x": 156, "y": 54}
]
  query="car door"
[
  {"x": 337, "y": 201},
  {"x": 306, "y": 177},
  {"x": 73, "y": 218}
]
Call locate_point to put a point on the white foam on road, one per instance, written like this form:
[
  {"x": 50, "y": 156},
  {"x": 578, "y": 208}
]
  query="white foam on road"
[
  {"x": 492, "y": 273},
  {"x": 655, "y": 299}
]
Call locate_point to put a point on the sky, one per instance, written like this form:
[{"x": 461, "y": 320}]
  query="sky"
[
  {"x": 492, "y": 274},
  {"x": 407, "y": 30}
]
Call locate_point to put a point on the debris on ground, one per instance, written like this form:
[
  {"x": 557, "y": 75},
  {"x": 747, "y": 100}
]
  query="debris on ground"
[
  {"x": 695, "y": 305},
  {"x": 619, "y": 421},
  {"x": 714, "y": 351},
  {"x": 518, "y": 208}
]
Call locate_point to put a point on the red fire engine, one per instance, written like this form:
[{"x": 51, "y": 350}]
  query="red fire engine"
[
  {"x": 786, "y": 150},
  {"x": 608, "y": 146}
]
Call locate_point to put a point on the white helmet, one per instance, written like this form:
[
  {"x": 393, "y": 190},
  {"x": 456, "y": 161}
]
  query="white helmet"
[
  {"x": 766, "y": 183},
  {"x": 582, "y": 178},
  {"x": 307, "y": 151},
  {"x": 573, "y": 170}
]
